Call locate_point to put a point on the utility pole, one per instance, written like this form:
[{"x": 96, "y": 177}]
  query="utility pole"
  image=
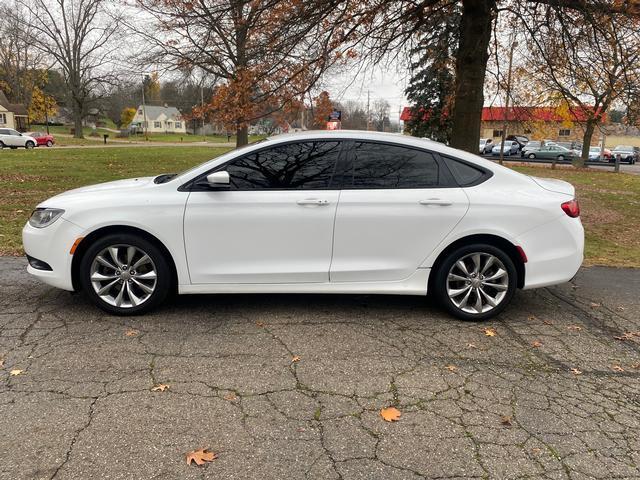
[
  {"x": 144, "y": 113},
  {"x": 506, "y": 105},
  {"x": 368, "y": 112},
  {"x": 202, "y": 108}
]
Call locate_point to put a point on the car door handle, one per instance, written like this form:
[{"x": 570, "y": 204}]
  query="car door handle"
[
  {"x": 312, "y": 201},
  {"x": 435, "y": 201}
]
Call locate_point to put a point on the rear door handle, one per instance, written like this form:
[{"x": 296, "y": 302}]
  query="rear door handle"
[
  {"x": 435, "y": 201},
  {"x": 312, "y": 201}
]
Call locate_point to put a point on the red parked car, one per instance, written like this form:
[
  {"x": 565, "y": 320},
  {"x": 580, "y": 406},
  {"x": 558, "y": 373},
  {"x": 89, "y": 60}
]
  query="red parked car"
[{"x": 43, "y": 138}]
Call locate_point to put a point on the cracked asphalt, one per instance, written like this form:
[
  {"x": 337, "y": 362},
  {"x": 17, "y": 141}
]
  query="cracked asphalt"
[{"x": 473, "y": 406}]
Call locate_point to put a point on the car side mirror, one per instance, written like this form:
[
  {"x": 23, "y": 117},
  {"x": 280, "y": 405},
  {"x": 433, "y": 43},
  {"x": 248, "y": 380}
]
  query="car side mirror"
[{"x": 219, "y": 179}]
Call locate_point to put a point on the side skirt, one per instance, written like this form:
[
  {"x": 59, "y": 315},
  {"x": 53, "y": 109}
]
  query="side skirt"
[{"x": 416, "y": 284}]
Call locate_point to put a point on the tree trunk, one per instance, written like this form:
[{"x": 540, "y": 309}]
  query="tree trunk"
[
  {"x": 77, "y": 119},
  {"x": 242, "y": 136},
  {"x": 589, "y": 129},
  {"x": 471, "y": 66}
]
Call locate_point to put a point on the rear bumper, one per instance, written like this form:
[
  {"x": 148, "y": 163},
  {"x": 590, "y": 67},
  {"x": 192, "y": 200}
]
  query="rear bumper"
[
  {"x": 555, "y": 252},
  {"x": 52, "y": 245}
]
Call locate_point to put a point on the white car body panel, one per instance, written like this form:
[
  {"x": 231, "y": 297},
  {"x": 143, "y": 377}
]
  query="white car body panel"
[
  {"x": 15, "y": 139},
  {"x": 360, "y": 241}
]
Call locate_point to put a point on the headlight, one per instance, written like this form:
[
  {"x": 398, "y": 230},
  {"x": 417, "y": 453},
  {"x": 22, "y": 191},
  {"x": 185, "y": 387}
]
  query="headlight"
[{"x": 43, "y": 217}]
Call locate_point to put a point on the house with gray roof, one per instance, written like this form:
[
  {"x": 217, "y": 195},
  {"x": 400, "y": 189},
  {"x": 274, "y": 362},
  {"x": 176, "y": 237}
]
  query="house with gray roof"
[
  {"x": 13, "y": 115},
  {"x": 155, "y": 119}
]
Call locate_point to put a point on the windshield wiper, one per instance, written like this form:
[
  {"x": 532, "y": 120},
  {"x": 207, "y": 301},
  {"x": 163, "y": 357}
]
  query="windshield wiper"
[{"x": 165, "y": 177}]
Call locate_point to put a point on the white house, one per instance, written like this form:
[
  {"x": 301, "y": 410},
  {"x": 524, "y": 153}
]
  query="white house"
[
  {"x": 12, "y": 115},
  {"x": 158, "y": 120}
]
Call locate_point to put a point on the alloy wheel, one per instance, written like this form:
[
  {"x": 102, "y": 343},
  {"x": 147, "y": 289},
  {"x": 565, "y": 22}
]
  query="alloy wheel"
[
  {"x": 123, "y": 276},
  {"x": 477, "y": 282}
]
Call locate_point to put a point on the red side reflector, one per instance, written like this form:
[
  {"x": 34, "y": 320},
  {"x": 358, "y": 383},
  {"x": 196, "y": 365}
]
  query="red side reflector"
[
  {"x": 523, "y": 255},
  {"x": 571, "y": 208}
]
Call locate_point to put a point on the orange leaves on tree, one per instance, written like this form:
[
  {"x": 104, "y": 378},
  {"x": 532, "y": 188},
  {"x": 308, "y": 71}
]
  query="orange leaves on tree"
[
  {"x": 200, "y": 456},
  {"x": 390, "y": 414}
]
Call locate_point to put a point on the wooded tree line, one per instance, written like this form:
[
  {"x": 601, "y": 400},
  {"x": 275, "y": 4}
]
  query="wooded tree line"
[{"x": 262, "y": 58}]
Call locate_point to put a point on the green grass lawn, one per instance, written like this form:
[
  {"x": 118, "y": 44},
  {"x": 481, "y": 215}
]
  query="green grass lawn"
[
  {"x": 29, "y": 177},
  {"x": 610, "y": 202}
]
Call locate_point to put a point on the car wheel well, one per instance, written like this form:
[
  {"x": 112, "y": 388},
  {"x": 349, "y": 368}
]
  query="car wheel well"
[
  {"x": 86, "y": 242},
  {"x": 499, "y": 242}
]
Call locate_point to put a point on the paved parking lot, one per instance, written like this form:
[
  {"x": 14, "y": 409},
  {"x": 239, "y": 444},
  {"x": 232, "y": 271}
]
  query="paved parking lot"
[{"x": 291, "y": 386}]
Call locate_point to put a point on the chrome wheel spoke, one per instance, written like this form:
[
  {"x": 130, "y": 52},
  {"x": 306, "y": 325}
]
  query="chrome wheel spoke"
[
  {"x": 498, "y": 274},
  {"x": 453, "y": 276},
  {"x": 497, "y": 286},
  {"x": 465, "y": 299},
  {"x": 459, "y": 291},
  {"x": 489, "y": 299},
  {"x": 475, "y": 258},
  {"x": 460, "y": 264},
  {"x": 478, "y": 305},
  {"x": 488, "y": 264},
  {"x": 123, "y": 287}
]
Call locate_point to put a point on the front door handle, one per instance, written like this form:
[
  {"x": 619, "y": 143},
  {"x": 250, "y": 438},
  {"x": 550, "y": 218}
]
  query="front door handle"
[
  {"x": 435, "y": 201},
  {"x": 313, "y": 201}
]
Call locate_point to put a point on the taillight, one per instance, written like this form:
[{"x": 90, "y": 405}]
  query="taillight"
[{"x": 571, "y": 208}]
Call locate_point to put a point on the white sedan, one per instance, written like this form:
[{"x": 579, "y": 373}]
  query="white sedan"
[{"x": 316, "y": 212}]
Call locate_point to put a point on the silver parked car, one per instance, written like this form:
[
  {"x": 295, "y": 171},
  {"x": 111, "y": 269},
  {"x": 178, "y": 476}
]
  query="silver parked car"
[{"x": 13, "y": 139}]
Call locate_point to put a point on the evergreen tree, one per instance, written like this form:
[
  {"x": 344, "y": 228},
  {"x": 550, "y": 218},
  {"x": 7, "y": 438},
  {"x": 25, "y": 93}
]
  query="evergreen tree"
[{"x": 432, "y": 85}]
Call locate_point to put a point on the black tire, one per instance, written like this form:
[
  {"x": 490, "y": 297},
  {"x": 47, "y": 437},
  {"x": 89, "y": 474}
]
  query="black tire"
[
  {"x": 49, "y": 143},
  {"x": 532, "y": 155},
  {"x": 440, "y": 281},
  {"x": 1, "y": 145},
  {"x": 29, "y": 145},
  {"x": 164, "y": 281},
  {"x": 560, "y": 158}
]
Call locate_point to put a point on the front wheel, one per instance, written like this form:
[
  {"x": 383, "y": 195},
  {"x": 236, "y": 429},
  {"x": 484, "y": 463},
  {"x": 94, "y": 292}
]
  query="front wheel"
[
  {"x": 475, "y": 282},
  {"x": 532, "y": 156},
  {"x": 124, "y": 274},
  {"x": 29, "y": 145}
]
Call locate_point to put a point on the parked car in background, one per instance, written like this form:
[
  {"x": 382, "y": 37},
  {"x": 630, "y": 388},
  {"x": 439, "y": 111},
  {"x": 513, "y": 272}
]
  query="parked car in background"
[
  {"x": 552, "y": 152},
  {"x": 43, "y": 138},
  {"x": 530, "y": 147},
  {"x": 401, "y": 215},
  {"x": 13, "y": 139},
  {"x": 486, "y": 145},
  {"x": 575, "y": 147},
  {"x": 521, "y": 139},
  {"x": 511, "y": 147},
  {"x": 627, "y": 153},
  {"x": 596, "y": 152}
]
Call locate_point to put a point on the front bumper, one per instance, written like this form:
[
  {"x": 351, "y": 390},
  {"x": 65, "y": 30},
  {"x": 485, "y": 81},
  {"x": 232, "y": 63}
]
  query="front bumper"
[{"x": 52, "y": 245}]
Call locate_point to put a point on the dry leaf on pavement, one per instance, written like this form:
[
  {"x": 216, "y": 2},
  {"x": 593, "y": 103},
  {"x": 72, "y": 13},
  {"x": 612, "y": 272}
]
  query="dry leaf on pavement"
[
  {"x": 536, "y": 344},
  {"x": 505, "y": 420},
  {"x": 576, "y": 328},
  {"x": 1, "y": 362},
  {"x": 452, "y": 368},
  {"x": 390, "y": 414},
  {"x": 260, "y": 324},
  {"x": 295, "y": 359},
  {"x": 617, "y": 368},
  {"x": 594, "y": 305},
  {"x": 471, "y": 345},
  {"x": 531, "y": 317},
  {"x": 230, "y": 397},
  {"x": 547, "y": 322},
  {"x": 490, "y": 332},
  {"x": 200, "y": 456},
  {"x": 16, "y": 372},
  {"x": 131, "y": 332},
  {"x": 625, "y": 336},
  {"x": 575, "y": 371},
  {"x": 161, "y": 387}
]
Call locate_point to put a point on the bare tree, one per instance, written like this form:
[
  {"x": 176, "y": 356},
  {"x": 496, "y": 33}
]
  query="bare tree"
[
  {"x": 591, "y": 61},
  {"x": 380, "y": 113},
  {"x": 76, "y": 35},
  {"x": 21, "y": 64}
]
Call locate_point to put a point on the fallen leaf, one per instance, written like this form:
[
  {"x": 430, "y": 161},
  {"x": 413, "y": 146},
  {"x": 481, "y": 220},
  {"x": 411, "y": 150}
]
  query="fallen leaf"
[
  {"x": 594, "y": 305},
  {"x": 617, "y": 368},
  {"x": 636, "y": 366},
  {"x": 295, "y": 359},
  {"x": 531, "y": 317},
  {"x": 1, "y": 362},
  {"x": 536, "y": 450},
  {"x": 490, "y": 332},
  {"x": 161, "y": 387},
  {"x": 471, "y": 345},
  {"x": 505, "y": 420},
  {"x": 620, "y": 309},
  {"x": 260, "y": 324},
  {"x": 575, "y": 371},
  {"x": 390, "y": 414},
  {"x": 536, "y": 344},
  {"x": 16, "y": 372},
  {"x": 452, "y": 368},
  {"x": 200, "y": 456},
  {"x": 131, "y": 332},
  {"x": 625, "y": 336},
  {"x": 547, "y": 322},
  {"x": 576, "y": 328},
  {"x": 230, "y": 397}
]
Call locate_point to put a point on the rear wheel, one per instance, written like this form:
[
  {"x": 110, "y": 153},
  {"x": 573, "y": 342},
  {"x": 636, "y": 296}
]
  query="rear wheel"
[
  {"x": 49, "y": 143},
  {"x": 561, "y": 158},
  {"x": 1, "y": 145},
  {"x": 125, "y": 274},
  {"x": 475, "y": 282}
]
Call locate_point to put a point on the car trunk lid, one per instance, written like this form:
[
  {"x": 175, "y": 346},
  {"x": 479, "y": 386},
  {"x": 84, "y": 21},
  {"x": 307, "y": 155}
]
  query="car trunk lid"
[{"x": 555, "y": 185}]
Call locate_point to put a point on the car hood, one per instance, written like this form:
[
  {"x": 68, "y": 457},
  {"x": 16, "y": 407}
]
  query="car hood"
[
  {"x": 115, "y": 187},
  {"x": 555, "y": 185}
]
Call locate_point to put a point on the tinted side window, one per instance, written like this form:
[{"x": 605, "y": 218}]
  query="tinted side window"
[
  {"x": 378, "y": 165},
  {"x": 4, "y": 132},
  {"x": 295, "y": 166},
  {"x": 464, "y": 173}
]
